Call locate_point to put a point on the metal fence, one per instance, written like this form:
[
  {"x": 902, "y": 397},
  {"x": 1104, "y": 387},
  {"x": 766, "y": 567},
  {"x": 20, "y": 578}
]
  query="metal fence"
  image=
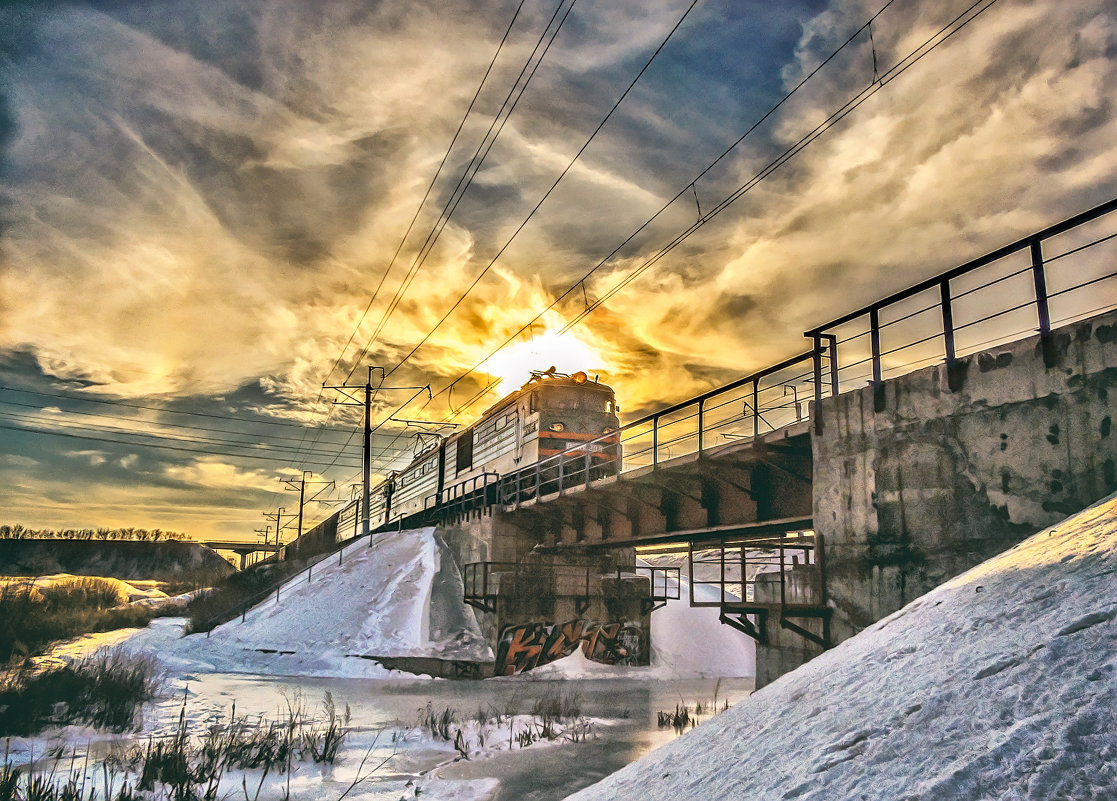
[
  {"x": 1050, "y": 278},
  {"x": 764, "y": 401}
]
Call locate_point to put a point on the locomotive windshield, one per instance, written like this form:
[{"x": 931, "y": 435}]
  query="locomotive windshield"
[{"x": 577, "y": 399}]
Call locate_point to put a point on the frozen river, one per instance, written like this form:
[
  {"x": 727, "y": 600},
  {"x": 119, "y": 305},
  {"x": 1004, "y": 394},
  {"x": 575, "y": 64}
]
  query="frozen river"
[{"x": 384, "y": 715}]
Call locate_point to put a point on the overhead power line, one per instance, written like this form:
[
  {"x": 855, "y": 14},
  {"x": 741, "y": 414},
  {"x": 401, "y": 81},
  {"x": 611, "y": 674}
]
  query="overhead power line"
[
  {"x": 551, "y": 189},
  {"x": 163, "y": 424},
  {"x": 690, "y": 185},
  {"x": 161, "y": 409},
  {"x": 426, "y": 195},
  {"x": 198, "y": 451},
  {"x": 422, "y": 202},
  {"x": 502, "y": 116},
  {"x": 913, "y": 57}
]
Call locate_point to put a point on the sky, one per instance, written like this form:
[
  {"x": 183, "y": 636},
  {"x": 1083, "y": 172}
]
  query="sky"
[{"x": 209, "y": 210}]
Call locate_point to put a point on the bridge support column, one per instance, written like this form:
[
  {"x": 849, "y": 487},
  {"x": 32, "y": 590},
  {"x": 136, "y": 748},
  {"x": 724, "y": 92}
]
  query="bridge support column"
[{"x": 961, "y": 462}]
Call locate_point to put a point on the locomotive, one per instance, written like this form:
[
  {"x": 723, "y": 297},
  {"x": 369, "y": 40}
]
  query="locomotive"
[{"x": 551, "y": 414}]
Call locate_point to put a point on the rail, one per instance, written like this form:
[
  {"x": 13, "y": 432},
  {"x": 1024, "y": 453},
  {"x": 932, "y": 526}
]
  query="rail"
[
  {"x": 472, "y": 494},
  {"x": 750, "y": 579},
  {"x": 484, "y": 582},
  {"x": 767, "y": 400},
  {"x": 1046, "y": 279}
]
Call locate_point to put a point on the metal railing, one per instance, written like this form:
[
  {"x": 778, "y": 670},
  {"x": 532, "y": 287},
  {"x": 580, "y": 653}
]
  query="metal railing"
[
  {"x": 484, "y": 582},
  {"x": 764, "y": 401},
  {"x": 1057, "y": 275},
  {"x": 474, "y": 493}
]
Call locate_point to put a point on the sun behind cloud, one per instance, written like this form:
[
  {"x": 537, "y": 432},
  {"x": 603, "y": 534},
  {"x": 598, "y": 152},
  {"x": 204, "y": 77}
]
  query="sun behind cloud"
[{"x": 565, "y": 352}]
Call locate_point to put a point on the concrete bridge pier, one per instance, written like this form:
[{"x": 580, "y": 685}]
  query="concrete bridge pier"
[{"x": 931, "y": 473}]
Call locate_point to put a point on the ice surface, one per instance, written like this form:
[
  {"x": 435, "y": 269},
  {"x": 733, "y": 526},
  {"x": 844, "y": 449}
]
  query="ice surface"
[{"x": 1001, "y": 683}]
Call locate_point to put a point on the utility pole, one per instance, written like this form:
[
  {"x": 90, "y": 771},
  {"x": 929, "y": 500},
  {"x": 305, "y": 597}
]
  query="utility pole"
[
  {"x": 277, "y": 518},
  {"x": 300, "y": 485},
  {"x": 366, "y": 402}
]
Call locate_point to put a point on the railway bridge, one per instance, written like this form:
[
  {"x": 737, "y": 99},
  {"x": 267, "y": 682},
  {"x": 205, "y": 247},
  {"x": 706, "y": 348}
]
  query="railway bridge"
[{"x": 914, "y": 438}]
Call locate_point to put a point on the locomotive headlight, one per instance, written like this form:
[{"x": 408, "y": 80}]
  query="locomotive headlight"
[
  {"x": 557, "y": 427},
  {"x": 607, "y": 430}
]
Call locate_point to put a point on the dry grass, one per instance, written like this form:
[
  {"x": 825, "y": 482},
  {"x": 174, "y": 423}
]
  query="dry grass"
[
  {"x": 104, "y": 690},
  {"x": 32, "y": 617}
]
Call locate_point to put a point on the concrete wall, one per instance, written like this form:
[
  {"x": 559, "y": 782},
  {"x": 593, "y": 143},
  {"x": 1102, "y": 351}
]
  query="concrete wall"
[
  {"x": 933, "y": 480},
  {"x": 786, "y": 650}
]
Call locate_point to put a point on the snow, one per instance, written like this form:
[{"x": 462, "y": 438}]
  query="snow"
[
  {"x": 398, "y": 596},
  {"x": 389, "y": 598},
  {"x": 692, "y": 641},
  {"x": 1001, "y": 683}
]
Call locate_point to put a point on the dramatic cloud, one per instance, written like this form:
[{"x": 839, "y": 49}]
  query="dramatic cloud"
[{"x": 199, "y": 200}]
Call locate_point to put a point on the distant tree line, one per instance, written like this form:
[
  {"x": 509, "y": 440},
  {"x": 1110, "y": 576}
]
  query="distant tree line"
[{"x": 20, "y": 532}]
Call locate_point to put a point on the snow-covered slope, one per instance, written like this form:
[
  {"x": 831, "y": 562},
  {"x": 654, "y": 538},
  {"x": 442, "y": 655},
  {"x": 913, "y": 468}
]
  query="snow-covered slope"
[
  {"x": 1001, "y": 683},
  {"x": 400, "y": 595},
  {"x": 691, "y": 640}
]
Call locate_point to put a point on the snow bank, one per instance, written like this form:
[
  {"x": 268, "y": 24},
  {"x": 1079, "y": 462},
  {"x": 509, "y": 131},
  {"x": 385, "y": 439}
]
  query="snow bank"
[
  {"x": 691, "y": 640},
  {"x": 1001, "y": 683},
  {"x": 399, "y": 595},
  {"x": 126, "y": 592}
]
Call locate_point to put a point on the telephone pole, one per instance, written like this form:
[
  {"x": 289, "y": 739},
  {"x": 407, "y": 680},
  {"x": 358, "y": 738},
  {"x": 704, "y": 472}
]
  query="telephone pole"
[
  {"x": 366, "y": 402},
  {"x": 300, "y": 485}
]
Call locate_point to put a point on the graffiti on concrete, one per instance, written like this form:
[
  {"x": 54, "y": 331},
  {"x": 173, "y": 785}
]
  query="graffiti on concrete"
[{"x": 528, "y": 645}]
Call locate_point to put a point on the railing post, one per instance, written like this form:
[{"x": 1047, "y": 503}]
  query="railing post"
[
  {"x": 690, "y": 569},
  {"x": 817, "y": 384},
  {"x": 538, "y": 479},
  {"x": 755, "y": 408},
  {"x": 655, "y": 441},
  {"x": 587, "y": 465},
  {"x": 783, "y": 585},
  {"x": 947, "y": 321},
  {"x": 1040, "y": 282},
  {"x": 874, "y": 340},
  {"x": 701, "y": 427},
  {"x": 832, "y": 350},
  {"x": 561, "y": 472}
]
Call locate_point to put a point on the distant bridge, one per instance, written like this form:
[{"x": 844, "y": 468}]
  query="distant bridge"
[{"x": 242, "y": 549}]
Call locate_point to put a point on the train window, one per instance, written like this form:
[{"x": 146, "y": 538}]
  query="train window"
[
  {"x": 464, "y": 457},
  {"x": 578, "y": 400}
]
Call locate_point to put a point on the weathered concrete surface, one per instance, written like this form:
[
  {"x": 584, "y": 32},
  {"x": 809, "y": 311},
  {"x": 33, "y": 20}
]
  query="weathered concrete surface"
[
  {"x": 786, "y": 650},
  {"x": 937, "y": 480}
]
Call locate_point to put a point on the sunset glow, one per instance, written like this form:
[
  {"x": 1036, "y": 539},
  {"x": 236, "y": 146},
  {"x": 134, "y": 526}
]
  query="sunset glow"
[{"x": 565, "y": 352}]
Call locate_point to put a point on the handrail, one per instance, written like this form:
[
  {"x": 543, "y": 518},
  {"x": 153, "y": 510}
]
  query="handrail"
[
  {"x": 947, "y": 303},
  {"x": 981, "y": 261}
]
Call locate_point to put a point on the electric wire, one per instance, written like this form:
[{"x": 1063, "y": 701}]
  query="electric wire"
[
  {"x": 430, "y": 187},
  {"x": 913, "y": 57},
  {"x": 467, "y": 176},
  {"x": 705, "y": 171},
  {"x": 551, "y": 189}
]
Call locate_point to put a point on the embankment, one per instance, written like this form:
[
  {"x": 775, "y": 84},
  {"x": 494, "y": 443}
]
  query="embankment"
[{"x": 160, "y": 561}]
